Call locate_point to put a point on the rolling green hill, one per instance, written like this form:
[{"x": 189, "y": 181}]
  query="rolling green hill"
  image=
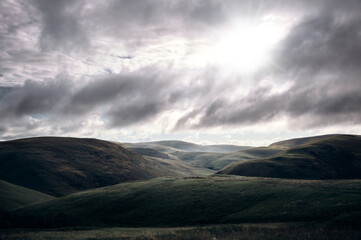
[
  {"x": 299, "y": 141},
  {"x": 200, "y": 159},
  {"x": 150, "y": 152},
  {"x": 334, "y": 157},
  {"x": 13, "y": 196},
  {"x": 207, "y": 200},
  {"x": 217, "y": 161},
  {"x": 60, "y": 166},
  {"x": 175, "y": 146},
  {"x": 214, "y": 157}
]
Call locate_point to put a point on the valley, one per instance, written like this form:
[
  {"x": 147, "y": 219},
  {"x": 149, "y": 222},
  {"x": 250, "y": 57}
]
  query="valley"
[{"x": 175, "y": 189}]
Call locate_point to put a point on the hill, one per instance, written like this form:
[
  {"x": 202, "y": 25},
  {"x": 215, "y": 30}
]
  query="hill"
[
  {"x": 217, "y": 161},
  {"x": 333, "y": 157},
  {"x": 207, "y": 200},
  {"x": 289, "y": 143},
  {"x": 60, "y": 166},
  {"x": 174, "y": 146},
  {"x": 13, "y": 196},
  {"x": 150, "y": 152}
]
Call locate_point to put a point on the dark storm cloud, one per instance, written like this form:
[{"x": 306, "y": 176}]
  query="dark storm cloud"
[
  {"x": 123, "y": 99},
  {"x": 306, "y": 108},
  {"x": 134, "y": 112},
  {"x": 130, "y": 97},
  {"x": 61, "y": 28},
  {"x": 33, "y": 98},
  {"x": 323, "y": 42}
]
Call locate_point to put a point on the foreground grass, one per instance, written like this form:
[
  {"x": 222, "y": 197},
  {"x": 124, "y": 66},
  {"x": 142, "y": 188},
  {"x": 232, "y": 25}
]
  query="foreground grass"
[
  {"x": 270, "y": 231},
  {"x": 175, "y": 202},
  {"x": 13, "y": 196},
  {"x": 334, "y": 157}
]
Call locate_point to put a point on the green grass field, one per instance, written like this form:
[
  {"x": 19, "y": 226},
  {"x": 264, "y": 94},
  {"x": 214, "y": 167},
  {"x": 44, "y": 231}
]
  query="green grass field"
[
  {"x": 334, "y": 157},
  {"x": 13, "y": 196},
  {"x": 174, "y": 146},
  {"x": 192, "y": 205},
  {"x": 171, "y": 202},
  {"x": 217, "y": 161},
  {"x": 59, "y": 166},
  {"x": 269, "y": 231}
]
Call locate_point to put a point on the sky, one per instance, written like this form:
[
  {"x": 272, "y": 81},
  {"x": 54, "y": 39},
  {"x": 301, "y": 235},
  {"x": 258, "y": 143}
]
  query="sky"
[{"x": 219, "y": 71}]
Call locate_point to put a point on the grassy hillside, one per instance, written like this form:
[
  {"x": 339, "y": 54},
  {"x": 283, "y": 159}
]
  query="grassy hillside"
[
  {"x": 217, "y": 161},
  {"x": 150, "y": 152},
  {"x": 13, "y": 196},
  {"x": 200, "y": 159},
  {"x": 183, "y": 169},
  {"x": 289, "y": 143},
  {"x": 269, "y": 231},
  {"x": 207, "y": 200},
  {"x": 175, "y": 146},
  {"x": 334, "y": 157},
  {"x": 60, "y": 166}
]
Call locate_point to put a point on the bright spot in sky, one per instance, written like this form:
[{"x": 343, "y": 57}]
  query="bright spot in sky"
[{"x": 246, "y": 47}]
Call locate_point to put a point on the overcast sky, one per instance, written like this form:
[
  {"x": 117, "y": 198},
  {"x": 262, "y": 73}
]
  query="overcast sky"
[{"x": 217, "y": 71}]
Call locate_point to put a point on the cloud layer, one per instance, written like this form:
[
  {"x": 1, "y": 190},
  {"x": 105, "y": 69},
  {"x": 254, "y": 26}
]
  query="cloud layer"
[{"x": 88, "y": 67}]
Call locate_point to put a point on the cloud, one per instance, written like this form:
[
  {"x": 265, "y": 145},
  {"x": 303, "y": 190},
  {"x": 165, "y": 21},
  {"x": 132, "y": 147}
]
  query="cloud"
[
  {"x": 122, "y": 100},
  {"x": 323, "y": 53},
  {"x": 322, "y": 42},
  {"x": 125, "y": 98},
  {"x": 61, "y": 26},
  {"x": 134, "y": 63},
  {"x": 33, "y": 98}
]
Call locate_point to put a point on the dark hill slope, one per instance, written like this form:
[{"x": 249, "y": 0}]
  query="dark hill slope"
[
  {"x": 299, "y": 141},
  {"x": 217, "y": 161},
  {"x": 14, "y": 196},
  {"x": 335, "y": 157},
  {"x": 174, "y": 146},
  {"x": 150, "y": 152},
  {"x": 209, "y": 200},
  {"x": 60, "y": 166}
]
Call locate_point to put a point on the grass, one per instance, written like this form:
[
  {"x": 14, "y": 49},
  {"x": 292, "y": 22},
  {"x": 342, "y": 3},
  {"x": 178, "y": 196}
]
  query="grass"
[
  {"x": 59, "y": 166},
  {"x": 279, "y": 231},
  {"x": 13, "y": 196},
  {"x": 175, "y": 146},
  {"x": 150, "y": 152},
  {"x": 217, "y": 161},
  {"x": 168, "y": 202},
  {"x": 334, "y": 157},
  {"x": 289, "y": 143}
]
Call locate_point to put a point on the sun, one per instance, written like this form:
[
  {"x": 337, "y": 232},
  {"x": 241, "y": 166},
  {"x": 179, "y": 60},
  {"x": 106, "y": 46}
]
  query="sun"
[{"x": 246, "y": 47}]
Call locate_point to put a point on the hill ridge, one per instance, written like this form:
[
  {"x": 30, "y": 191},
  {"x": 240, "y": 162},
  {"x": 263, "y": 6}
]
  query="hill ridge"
[
  {"x": 334, "y": 157},
  {"x": 62, "y": 165}
]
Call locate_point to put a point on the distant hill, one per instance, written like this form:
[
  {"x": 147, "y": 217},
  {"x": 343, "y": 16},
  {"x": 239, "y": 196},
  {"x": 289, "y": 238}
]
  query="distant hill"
[
  {"x": 332, "y": 157},
  {"x": 206, "y": 200},
  {"x": 217, "y": 161},
  {"x": 14, "y": 196},
  {"x": 214, "y": 157},
  {"x": 299, "y": 141},
  {"x": 60, "y": 166},
  {"x": 150, "y": 152},
  {"x": 174, "y": 146}
]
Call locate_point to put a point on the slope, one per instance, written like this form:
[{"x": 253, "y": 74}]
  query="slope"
[
  {"x": 217, "y": 161},
  {"x": 289, "y": 143},
  {"x": 207, "y": 200},
  {"x": 334, "y": 157},
  {"x": 60, "y": 166},
  {"x": 13, "y": 196},
  {"x": 150, "y": 152},
  {"x": 174, "y": 146}
]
